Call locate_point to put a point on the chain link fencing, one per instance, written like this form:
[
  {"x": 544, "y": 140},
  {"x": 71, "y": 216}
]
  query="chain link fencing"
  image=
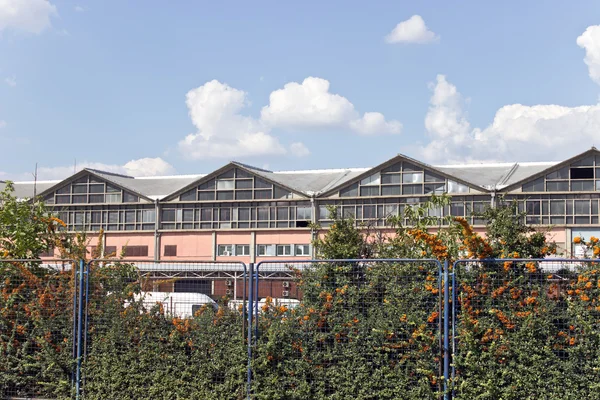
[
  {"x": 37, "y": 328},
  {"x": 526, "y": 329},
  {"x": 339, "y": 329}
]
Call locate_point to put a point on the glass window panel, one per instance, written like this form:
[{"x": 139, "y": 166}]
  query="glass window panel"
[
  {"x": 557, "y": 220},
  {"x": 96, "y": 198},
  {"x": 240, "y": 173},
  {"x": 148, "y": 215},
  {"x": 225, "y": 185},
  {"x": 244, "y": 184},
  {"x": 348, "y": 211},
  {"x": 113, "y": 217},
  {"x": 582, "y": 220},
  {"x": 188, "y": 215},
  {"x": 594, "y": 206},
  {"x": 63, "y": 199},
  {"x": 79, "y": 188},
  {"x": 562, "y": 173},
  {"x": 262, "y": 194},
  {"x": 431, "y": 177},
  {"x": 455, "y": 187},
  {"x": 78, "y": 198},
  {"x": 302, "y": 249},
  {"x": 410, "y": 168},
  {"x": 304, "y": 213},
  {"x": 532, "y": 207},
  {"x": 244, "y": 214},
  {"x": 597, "y": 185},
  {"x": 64, "y": 190},
  {"x": 167, "y": 215},
  {"x": 225, "y": 195},
  {"x": 113, "y": 198},
  {"x": 412, "y": 189},
  {"x": 210, "y": 185},
  {"x": 206, "y": 196},
  {"x": 96, "y": 217},
  {"x": 81, "y": 180},
  {"x": 96, "y": 188},
  {"x": 284, "y": 250},
  {"x": 557, "y": 186},
  {"x": 582, "y": 186},
  {"x": 225, "y": 214},
  {"x": 243, "y": 195},
  {"x": 390, "y": 190},
  {"x": 369, "y": 191},
  {"x": 79, "y": 218},
  {"x": 436, "y": 188},
  {"x": 224, "y": 250},
  {"x": 557, "y": 207},
  {"x": 190, "y": 195},
  {"x": 282, "y": 213},
  {"x": 532, "y": 220},
  {"x": 374, "y": 179},
  {"x": 582, "y": 207},
  {"x": 457, "y": 209},
  {"x": 390, "y": 178},
  {"x": 588, "y": 161},
  {"x": 242, "y": 250},
  {"x": 227, "y": 174},
  {"x": 534, "y": 186},
  {"x": 263, "y": 213},
  {"x": 206, "y": 214},
  {"x": 129, "y": 216},
  {"x": 390, "y": 209},
  {"x": 414, "y": 177},
  {"x": 261, "y": 184},
  {"x": 351, "y": 191},
  {"x": 393, "y": 168},
  {"x": 130, "y": 198},
  {"x": 112, "y": 189},
  {"x": 369, "y": 212}
]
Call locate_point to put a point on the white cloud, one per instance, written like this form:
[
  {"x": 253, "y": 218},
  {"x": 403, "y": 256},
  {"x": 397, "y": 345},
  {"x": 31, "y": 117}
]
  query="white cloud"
[
  {"x": 517, "y": 133},
  {"x": 79, "y": 9},
  {"x": 31, "y": 16},
  {"x": 310, "y": 104},
  {"x": 11, "y": 81},
  {"x": 222, "y": 131},
  {"x": 139, "y": 168},
  {"x": 590, "y": 41},
  {"x": 373, "y": 123},
  {"x": 413, "y": 30},
  {"x": 299, "y": 149},
  {"x": 2, "y": 124}
]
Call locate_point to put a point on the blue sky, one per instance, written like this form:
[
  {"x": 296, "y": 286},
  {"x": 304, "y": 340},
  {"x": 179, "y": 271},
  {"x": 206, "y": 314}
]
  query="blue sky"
[{"x": 105, "y": 82}]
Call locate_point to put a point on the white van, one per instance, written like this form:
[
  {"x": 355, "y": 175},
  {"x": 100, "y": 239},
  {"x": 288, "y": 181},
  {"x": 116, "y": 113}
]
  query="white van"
[
  {"x": 181, "y": 305},
  {"x": 289, "y": 303}
]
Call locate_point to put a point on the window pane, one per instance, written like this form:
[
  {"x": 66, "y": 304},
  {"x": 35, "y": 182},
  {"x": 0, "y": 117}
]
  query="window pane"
[
  {"x": 582, "y": 173},
  {"x": 436, "y": 188},
  {"x": 582, "y": 207},
  {"x": 369, "y": 212},
  {"x": 206, "y": 214},
  {"x": 457, "y": 209},
  {"x": 224, "y": 185},
  {"x": 431, "y": 177},
  {"x": 262, "y": 194},
  {"x": 394, "y": 168},
  {"x": 224, "y": 250},
  {"x": 80, "y": 188},
  {"x": 63, "y": 199},
  {"x": 562, "y": 173},
  {"x": 206, "y": 196},
  {"x": 96, "y": 198},
  {"x": 225, "y": 214},
  {"x": 148, "y": 216},
  {"x": 188, "y": 215},
  {"x": 227, "y": 174},
  {"x": 582, "y": 186},
  {"x": 244, "y": 184},
  {"x": 243, "y": 195},
  {"x": 112, "y": 189},
  {"x": 535, "y": 186},
  {"x": 351, "y": 191},
  {"x": 390, "y": 178},
  {"x": 282, "y": 213},
  {"x": 113, "y": 198},
  {"x": 79, "y": 199},
  {"x": 532, "y": 207},
  {"x": 279, "y": 193},
  {"x": 414, "y": 177},
  {"x": 263, "y": 213},
  {"x": 557, "y": 207},
  {"x": 412, "y": 189},
  {"x": 304, "y": 213},
  {"x": 190, "y": 195},
  {"x": 168, "y": 215},
  {"x": 369, "y": 191},
  {"x": 390, "y": 190},
  {"x": 371, "y": 180},
  {"x": 130, "y": 198},
  {"x": 557, "y": 186},
  {"x": 323, "y": 212},
  {"x": 261, "y": 184},
  {"x": 225, "y": 195},
  {"x": 244, "y": 214},
  {"x": 113, "y": 217},
  {"x": 64, "y": 190},
  {"x": 302, "y": 249},
  {"x": 242, "y": 250},
  {"x": 210, "y": 185},
  {"x": 455, "y": 187}
]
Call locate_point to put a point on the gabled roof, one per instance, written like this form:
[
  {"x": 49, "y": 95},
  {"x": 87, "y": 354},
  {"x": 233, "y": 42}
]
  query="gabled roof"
[
  {"x": 121, "y": 181},
  {"x": 401, "y": 157},
  {"x": 546, "y": 168}
]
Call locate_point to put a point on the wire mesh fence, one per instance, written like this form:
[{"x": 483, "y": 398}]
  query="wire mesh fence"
[
  {"x": 348, "y": 329},
  {"x": 37, "y": 328},
  {"x": 165, "y": 330},
  {"x": 526, "y": 329}
]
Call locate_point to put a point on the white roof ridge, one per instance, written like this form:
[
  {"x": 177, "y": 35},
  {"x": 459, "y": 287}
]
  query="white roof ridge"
[
  {"x": 322, "y": 171},
  {"x": 47, "y": 181}
]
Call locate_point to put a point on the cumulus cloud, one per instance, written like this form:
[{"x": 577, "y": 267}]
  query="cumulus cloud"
[
  {"x": 79, "y": 9},
  {"x": 2, "y": 124},
  {"x": 517, "y": 133},
  {"x": 310, "y": 104},
  {"x": 590, "y": 41},
  {"x": 138, "y": 168},
  {"x": 299, "y": 149},
  {"x": 222, "y": 131},
  {"x": 30, "y": 16},
  {"x": 413, "y": 30}
]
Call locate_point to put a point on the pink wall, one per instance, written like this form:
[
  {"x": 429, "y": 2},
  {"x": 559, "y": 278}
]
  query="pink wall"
[
  {"x": 131, "y": 239},
  {"x": 283, "y": 237},
  {"x": 190, "y": 245}
]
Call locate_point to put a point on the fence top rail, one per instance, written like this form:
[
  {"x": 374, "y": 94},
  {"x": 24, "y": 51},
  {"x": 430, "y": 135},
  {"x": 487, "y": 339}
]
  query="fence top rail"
[
  {"x": 185, "y": 265},
  {"x": 53, "y": 260},
  {"x": 546, "y": 260},
  {"x": 268, "y": 263}
]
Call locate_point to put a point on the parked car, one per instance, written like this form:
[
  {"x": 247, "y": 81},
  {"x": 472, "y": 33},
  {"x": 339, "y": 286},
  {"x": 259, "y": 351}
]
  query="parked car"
[{"x": 181, "y": 305}]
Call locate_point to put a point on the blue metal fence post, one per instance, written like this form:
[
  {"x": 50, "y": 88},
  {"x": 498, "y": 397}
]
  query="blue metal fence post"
[
  {"x": 454, "y": 305},
  {"x": 74, "y": 333},
  {"x": 250, "y": 312},
  {"x": 256, "y": 303},
  {"x": 446, "y": 323},
  {"x": 79, "y": 330}
]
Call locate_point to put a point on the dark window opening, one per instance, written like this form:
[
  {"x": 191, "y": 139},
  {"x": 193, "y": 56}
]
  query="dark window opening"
[
  {"x": 136, "y": 251},
  {"x": 110, "y": 251},
  {"x": 193, "y": 286},
  {"x": 582, "y": 173},
  {"x": 170, "y": 250},
  {"x": 301, "y": 224}
]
